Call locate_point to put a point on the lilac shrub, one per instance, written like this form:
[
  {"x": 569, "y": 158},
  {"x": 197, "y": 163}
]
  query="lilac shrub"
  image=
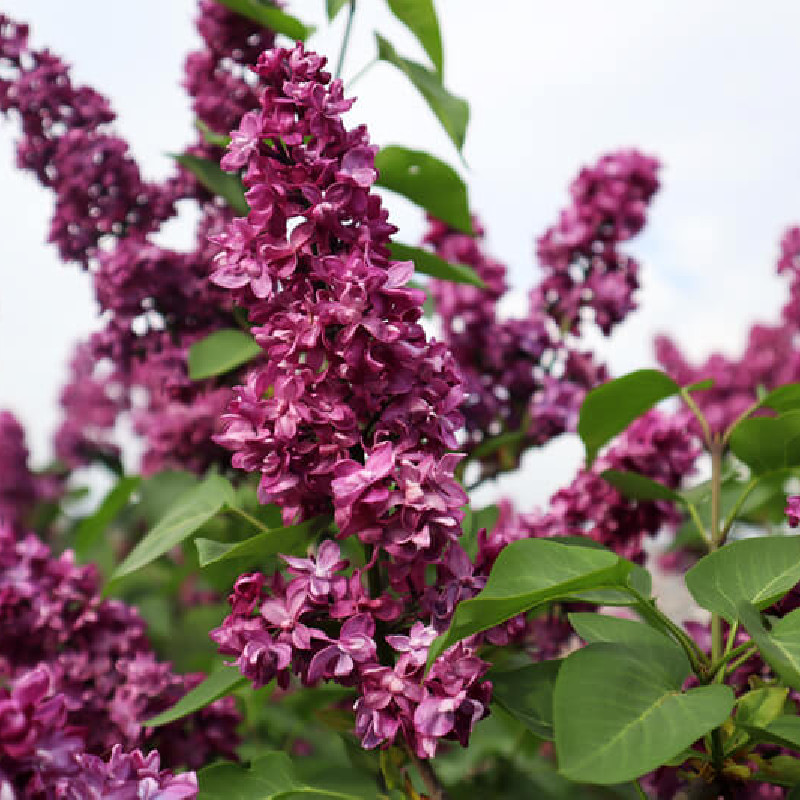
[{"x": 419, "y": 615}]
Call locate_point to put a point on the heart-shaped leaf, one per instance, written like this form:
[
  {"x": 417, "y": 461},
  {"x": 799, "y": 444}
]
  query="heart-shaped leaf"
[
  {"x": 619, "y": 712},
  {"x": 270, "y": 777},
  {"x": 779, "y": 646},
  {"x": 759, "y": 571},
  {"x": 527, "y": 694},
  {"x": 768, "y": 443}
]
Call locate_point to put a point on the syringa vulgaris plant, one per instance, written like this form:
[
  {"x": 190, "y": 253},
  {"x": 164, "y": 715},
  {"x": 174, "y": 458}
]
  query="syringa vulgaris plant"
[{"x": 294, "y": 596}]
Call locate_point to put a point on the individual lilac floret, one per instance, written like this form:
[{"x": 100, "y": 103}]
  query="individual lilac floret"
[
  {"x": 792, "y": 510},
  {"x": 126, "y": 776}
]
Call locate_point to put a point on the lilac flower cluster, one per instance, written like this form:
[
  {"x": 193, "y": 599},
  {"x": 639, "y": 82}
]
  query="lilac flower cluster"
[
  {"x": 585, "y": 273},
  {"x": 66, "y": 143},
  {"x": 281, "y": 627},
  {"x": 42, "y": 754},
  {"x": 519, "y": 374},
  {"x": 98, "y": 660},
  {"x": 20, "y": 489},
  {"x": 657, "y": 445},
  {"x": 157, "y": 302},
  {"x": 353, "y": 413}
]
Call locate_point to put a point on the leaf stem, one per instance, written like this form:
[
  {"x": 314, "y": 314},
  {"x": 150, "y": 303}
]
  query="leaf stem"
[
  {"x": 694, "y": 408},
  {"x": 639, "y": 790},
  {"x": 736, "y": 509},
  {"x": 697, "y": 658},
  {"x": 697, "y": 521},
  {"x": 744, "y": 415},
  {"x": 716, "y": 537},
  {"x": 346, "y": 40}
]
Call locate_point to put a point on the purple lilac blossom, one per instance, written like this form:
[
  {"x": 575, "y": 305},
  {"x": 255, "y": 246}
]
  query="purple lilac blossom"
[
  {"x": 584, "y": 270},
  {"x": 352, "y": 413},
  {"x": 104, "y": 215},
  {"x": 508, "y": 366},
  {"x": 527, "y": 374},
  {"x": 792, "y": 510},
  {"x": 98, "y": 657}
]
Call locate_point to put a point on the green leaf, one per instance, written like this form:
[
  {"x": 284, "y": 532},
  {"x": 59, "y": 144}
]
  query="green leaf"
[
  {"x": 430, "y": 264},
  {"x": 783, "y": 730},
  {"x": 758, "y": 571},
  {"x": 619, "y": 712},
  {"x": 212, "y": 137},
  {"x": 779, "y": 646},
  {"x": 228, "y": 186},
  {"x": 594, "y": 628},
  {"x": 759, "y": 707},
  {"x": 219, "y": 684},
  {"x": 610, "y": 408},
  {"x": 419, "y": 16},
  {"x": 784, "y": 398},
  {"x": 92, "y": 528},
  {"x": 640, "y": 487},
  {"x": 452, "y": 111},
  {"x": 261, "y": 545},
  {"x": 768, "y": 443},
  {"x": 427, "y": 181},
  {"x": 220, "y": 352},
  {"x": 333, "y": 7},
  {"x": 270, "y": 17},
  {"x": 494, "y": 443},
  {"x": 188, "y": 513},
  {"x": 270, "y": 777},
  {"x": 528, "y": 573},
  {"x": 527, "y": 694},
  {"x": 638, "y": 578}
]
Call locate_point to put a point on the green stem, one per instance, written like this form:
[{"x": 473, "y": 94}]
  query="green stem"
[
  {"x": 748, "y": 653},
  {"x": 694, "y": 408},
  {"x": 717, "y": 667},
  {"x": 736, "y": 509},
  {"x": 698, "y": 522},
  {"x": 639, "y": 790},
  {"x": 648, "y": 610},
  {"x": 248, "y": 518},
  {"x": 746, "y": 413},
  {"x": 348, "y": 28},
  {"x": 716, "y": 535}
]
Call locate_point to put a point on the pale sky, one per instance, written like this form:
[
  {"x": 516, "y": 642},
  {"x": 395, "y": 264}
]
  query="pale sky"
[{"x": 708, "y": 88}]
